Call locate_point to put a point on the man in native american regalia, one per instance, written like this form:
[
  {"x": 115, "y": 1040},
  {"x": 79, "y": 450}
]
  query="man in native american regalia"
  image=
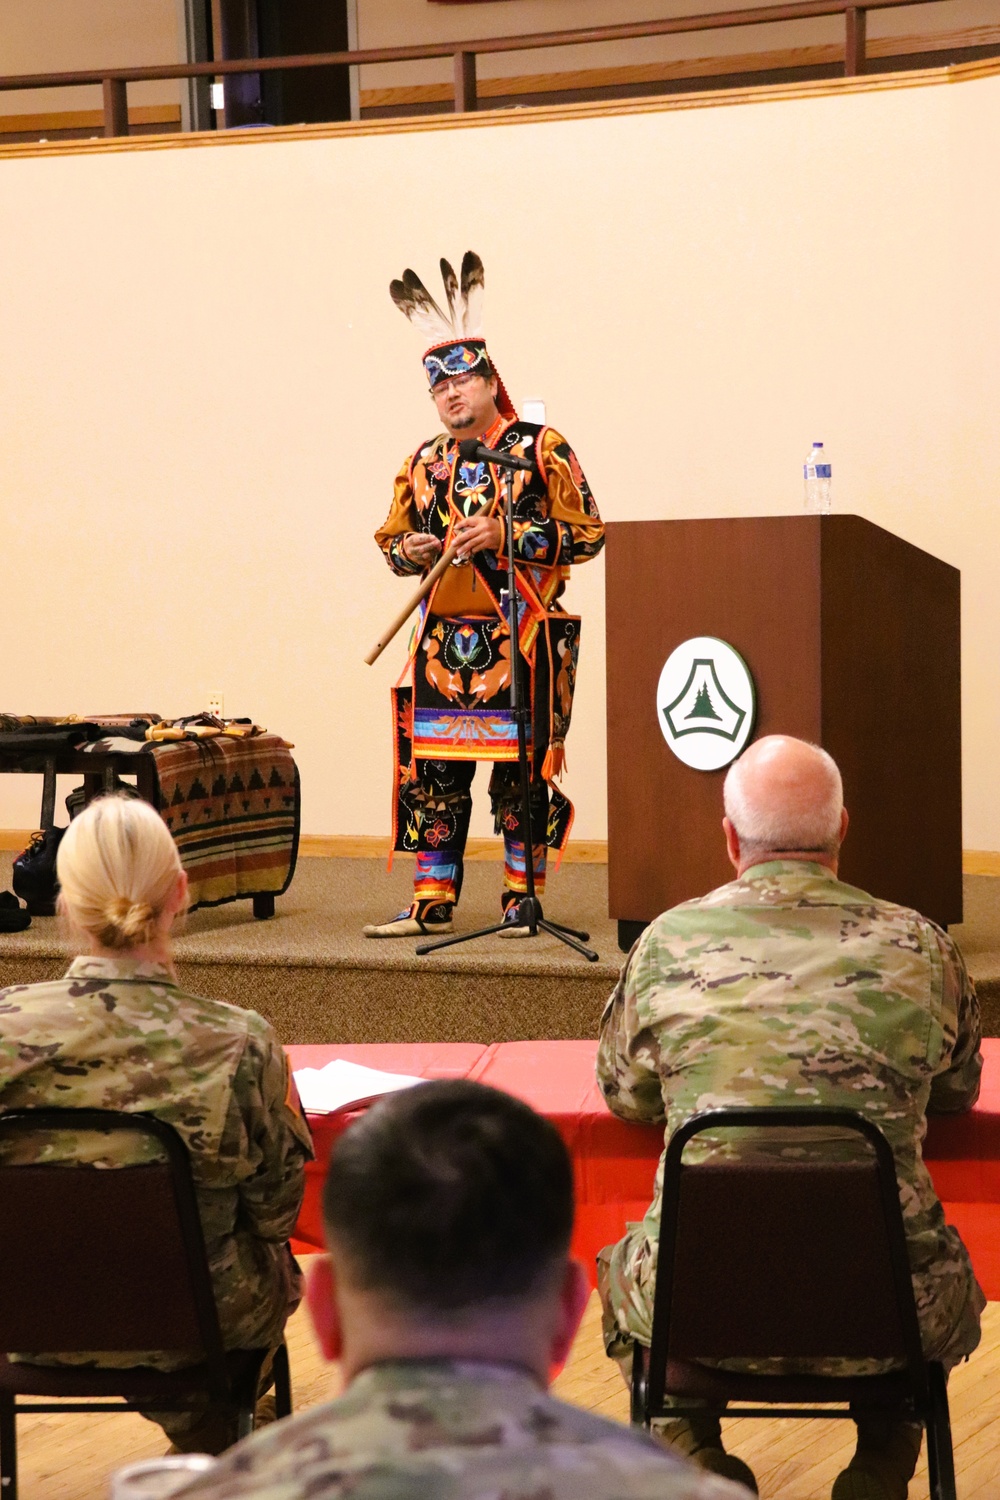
[{"x": 455, "y": 709}]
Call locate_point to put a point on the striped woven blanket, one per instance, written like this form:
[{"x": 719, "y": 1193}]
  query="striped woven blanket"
[{"x": 232, "y": 806}]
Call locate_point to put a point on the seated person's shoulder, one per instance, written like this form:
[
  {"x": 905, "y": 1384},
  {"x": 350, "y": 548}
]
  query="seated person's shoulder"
[
  {"x": 701, "y": 913},
  {"x": 625, "y": 1452},
  {"x": 219, "y": 1030},
  {"x": 222, "y": 1016},
  {"x": 263, "y": 1062},
  {"x": 908, "y": 926},
  {"x": 417, "y": 1443}
]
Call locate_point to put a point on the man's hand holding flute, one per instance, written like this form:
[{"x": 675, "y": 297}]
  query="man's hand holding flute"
[{"x": 479, "y": 533}]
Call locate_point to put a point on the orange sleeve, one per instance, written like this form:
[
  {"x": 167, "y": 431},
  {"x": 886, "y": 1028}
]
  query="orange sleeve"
[{"x": 402, "y": 518}]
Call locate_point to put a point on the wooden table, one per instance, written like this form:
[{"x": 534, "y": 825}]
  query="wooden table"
[{"x": 99, "y": 769}]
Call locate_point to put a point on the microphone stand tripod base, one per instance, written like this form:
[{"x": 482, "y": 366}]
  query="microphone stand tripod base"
[{"x": 529, "y": 917}]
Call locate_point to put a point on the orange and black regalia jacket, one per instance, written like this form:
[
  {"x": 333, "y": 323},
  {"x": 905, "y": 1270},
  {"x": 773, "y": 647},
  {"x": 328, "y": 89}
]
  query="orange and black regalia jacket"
[{"x": 456, "y": 705}]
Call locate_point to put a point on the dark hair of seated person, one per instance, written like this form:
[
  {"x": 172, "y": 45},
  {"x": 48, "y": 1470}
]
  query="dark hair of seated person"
[{"x": 449, "y": 1194}]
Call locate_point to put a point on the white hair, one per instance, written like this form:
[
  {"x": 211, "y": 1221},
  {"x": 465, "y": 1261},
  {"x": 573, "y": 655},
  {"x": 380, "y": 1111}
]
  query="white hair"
[
  {"x": 117, "y": 866},
  {"x": 773, "y": 823}
]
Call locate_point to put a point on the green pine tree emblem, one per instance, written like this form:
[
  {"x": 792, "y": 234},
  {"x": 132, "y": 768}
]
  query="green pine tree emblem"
[{"x": 703, "y": 706}]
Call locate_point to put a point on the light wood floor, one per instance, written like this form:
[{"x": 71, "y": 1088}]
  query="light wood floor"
[{"x": 71, "y": 1457}]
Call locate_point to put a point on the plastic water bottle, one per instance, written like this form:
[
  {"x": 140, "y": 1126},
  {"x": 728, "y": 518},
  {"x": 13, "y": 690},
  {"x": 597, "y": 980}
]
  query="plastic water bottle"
[{"x": 816, "y": 469}]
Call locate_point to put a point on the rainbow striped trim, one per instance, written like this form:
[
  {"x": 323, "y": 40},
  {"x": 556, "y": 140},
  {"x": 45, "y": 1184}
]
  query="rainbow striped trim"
[
  {"x": 514, "y": 871},
  {"x": 466, "y": 734},
  {"x": 436, "y": 876}
]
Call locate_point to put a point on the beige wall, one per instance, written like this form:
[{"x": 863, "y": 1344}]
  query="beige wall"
[
  {"x": 52, "y": 36},
  {"x": 205, "y": 390}
]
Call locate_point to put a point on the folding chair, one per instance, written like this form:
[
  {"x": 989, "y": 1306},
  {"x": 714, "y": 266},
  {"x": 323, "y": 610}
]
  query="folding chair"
[
  {"x": 768, "y": 1258},
  {"x": 96, "y": 1259}
]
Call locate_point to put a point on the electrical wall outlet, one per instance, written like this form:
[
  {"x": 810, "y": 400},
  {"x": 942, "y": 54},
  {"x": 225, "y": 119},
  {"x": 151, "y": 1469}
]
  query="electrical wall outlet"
[{"x": 215, "y": 705}]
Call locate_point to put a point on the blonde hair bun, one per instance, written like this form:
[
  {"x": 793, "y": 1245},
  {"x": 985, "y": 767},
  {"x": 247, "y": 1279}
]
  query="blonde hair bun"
[{"x": 130, "y": 924}]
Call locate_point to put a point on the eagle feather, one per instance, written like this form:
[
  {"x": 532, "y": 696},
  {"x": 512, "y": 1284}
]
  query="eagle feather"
[
  {"x": 463, "y": 295},
  {"x": 450, "y": 290},
  {"x": 473, "y": 287},
  {"x": 416, "y": 303}
]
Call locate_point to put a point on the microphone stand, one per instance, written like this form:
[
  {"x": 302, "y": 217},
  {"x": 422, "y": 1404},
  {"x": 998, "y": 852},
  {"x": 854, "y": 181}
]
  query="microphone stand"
[{"x": 529, "y": 908}]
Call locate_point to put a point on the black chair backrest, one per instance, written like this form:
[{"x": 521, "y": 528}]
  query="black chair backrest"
[
  {"x": 95, "y": 1258},
  {"x": 768, "y": 1257}
]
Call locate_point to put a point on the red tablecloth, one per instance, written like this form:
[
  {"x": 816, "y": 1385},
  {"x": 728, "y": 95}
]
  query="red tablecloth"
[
  {"x": 419, "y": 1059},
  {"x": 614, "y": 1162}
]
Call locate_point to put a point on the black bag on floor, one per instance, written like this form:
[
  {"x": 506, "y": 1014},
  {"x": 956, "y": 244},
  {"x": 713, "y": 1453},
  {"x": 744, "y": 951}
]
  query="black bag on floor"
[
  {"x": 35, "y": 873},
  {"x": 13, "y": 917}
]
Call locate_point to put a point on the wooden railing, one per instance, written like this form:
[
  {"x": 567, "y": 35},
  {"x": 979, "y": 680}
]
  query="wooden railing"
[{"x": 115, "y": 81}]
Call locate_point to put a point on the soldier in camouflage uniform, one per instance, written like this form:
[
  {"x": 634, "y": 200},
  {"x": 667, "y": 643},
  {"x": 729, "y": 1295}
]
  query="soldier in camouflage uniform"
[
  {"x": 448, "y": 1298},
  {"x": 118, "y": 1032},
  {"x": 789, "y": 986}
]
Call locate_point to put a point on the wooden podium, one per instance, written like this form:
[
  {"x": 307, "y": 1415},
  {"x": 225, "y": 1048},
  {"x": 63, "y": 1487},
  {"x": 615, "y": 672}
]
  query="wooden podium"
[{"x": 852, "y": 637}]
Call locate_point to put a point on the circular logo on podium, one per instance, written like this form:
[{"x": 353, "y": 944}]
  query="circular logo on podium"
[{"x": 706, "y": 703}]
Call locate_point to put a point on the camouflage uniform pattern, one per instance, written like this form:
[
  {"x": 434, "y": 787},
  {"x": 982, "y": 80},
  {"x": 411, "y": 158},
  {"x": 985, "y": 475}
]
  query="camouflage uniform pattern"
[
  {"x": 451, "y": 1430},
  {"x": 788, "y": 986},
  {"x": 118, "y": 1034}
]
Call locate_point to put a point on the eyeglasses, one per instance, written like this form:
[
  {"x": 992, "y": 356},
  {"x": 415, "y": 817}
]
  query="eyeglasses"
[{"x": 453, "y": 382}]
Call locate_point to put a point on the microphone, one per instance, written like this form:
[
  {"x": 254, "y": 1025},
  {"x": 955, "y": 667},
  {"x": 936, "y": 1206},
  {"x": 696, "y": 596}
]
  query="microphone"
[{"x": 470, "y": 450}]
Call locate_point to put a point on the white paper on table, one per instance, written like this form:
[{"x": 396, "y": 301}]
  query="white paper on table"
[{"x": 341, "y": 1082}]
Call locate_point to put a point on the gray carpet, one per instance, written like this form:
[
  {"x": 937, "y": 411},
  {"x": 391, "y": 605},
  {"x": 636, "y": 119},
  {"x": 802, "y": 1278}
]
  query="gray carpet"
[{"x": 313, "y": 975}]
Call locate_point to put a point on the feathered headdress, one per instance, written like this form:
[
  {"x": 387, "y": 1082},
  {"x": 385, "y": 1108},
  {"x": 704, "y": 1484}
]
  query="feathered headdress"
[{"x": 457, "y": 345}]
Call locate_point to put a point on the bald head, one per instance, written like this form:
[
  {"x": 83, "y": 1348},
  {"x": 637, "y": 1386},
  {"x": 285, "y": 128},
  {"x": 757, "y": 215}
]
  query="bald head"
[{"x": 784, "y": 798}]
